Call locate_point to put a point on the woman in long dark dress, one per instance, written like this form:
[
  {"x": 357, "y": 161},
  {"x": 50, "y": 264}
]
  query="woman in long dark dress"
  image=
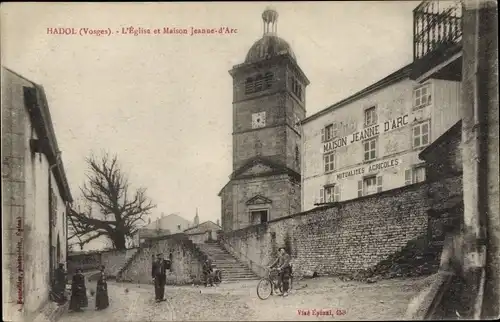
[
  {"x": 78, "y": 292},
  {"x": 101, "y": 295}
]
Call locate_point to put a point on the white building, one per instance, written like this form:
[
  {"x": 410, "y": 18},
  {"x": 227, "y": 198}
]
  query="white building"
[
  {"x": 369, "y": 142},
  {"x": 166, "y": 225},
  {"x": 35, "y": 199}
]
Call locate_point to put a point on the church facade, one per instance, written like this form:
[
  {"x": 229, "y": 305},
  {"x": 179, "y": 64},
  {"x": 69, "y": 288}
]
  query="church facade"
[{"x": 268, "y": 103}]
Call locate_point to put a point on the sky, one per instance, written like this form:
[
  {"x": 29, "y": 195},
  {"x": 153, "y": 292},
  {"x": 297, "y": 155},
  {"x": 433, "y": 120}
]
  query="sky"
[{"x": 163, "y": 103}]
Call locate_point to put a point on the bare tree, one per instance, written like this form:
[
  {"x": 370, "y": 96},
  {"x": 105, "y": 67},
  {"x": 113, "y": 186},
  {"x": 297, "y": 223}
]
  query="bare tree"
[{"x": 107, "y": 187}]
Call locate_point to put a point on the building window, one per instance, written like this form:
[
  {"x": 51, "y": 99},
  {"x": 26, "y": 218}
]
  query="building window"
[
  {"x": 249, "y": 86},
  {"x": 329, "y": 160},
  {"x": 259, "y": 216},
  {"x": 268, "y": 79},
  {"x": 259, "y": 83},
  {"x": 421, "y": 135},
  {"x": 415, "y": 175},
  {"x": 422, "y": 96},
  {"x": 370, "y": 116},
  {"x": 331, "y": 193},
  {"x": 369, "y": 186},
  {"x": 329, "y": 132},
  {"x": 297, "y": 155},
  {"x": 179, "y": 227},
  {"x": 370, "y": 149},
  {"x": 53, "y": 207},
  {"x": 296, "y": 87}
]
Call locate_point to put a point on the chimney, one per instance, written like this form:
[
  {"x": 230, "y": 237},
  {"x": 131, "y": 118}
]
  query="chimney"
[{"x": 218, "y": 222}]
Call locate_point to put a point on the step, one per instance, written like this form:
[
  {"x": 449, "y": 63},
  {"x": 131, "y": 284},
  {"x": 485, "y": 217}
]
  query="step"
[
  {"x": 235, "y": 275},
  {"x": 226, "y": 266},
  {"x": 234, "y": 269}
]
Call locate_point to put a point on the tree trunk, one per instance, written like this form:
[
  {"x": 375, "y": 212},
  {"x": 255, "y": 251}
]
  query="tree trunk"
[{"x": 119, "y": 241}]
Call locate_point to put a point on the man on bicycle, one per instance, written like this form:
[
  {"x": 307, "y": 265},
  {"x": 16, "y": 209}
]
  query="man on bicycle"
[{"x": 283, "y": 265}]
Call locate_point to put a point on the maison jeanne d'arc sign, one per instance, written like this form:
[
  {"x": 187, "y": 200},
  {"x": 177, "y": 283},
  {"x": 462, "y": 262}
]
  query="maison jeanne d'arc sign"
[{"x": 367, "y": 133}]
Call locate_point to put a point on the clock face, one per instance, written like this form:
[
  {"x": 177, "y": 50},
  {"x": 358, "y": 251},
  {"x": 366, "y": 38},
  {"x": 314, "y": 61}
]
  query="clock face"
[{"x": 258, "y": 120}]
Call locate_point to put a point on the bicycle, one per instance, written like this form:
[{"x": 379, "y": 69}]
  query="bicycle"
[{"x": 269, "y": 285}]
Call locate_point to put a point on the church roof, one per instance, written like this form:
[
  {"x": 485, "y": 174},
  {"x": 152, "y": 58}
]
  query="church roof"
[{"x": 268, "y": 46}]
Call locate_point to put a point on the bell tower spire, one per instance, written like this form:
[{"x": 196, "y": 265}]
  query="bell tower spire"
[{"x": 270, "y": 19}]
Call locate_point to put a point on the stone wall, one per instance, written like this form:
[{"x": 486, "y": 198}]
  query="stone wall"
[
  {"x": 187, "y": 261},
  {"x": 113, "y": 260},
  {"x": 88, "y": 261},
  {"x": 344, "y": 237}
]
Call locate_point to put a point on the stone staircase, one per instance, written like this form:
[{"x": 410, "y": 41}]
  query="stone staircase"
[
  {"x": 232, "y": 269},
  {"x": 118, "y": 275}
]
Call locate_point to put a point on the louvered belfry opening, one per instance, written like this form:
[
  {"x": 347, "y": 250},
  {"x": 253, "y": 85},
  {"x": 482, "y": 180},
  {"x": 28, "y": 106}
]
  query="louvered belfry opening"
[{"x": 437, "y": 36}]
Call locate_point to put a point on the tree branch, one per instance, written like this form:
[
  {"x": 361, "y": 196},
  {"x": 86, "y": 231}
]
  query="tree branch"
[{"x": 107, "y": 187}]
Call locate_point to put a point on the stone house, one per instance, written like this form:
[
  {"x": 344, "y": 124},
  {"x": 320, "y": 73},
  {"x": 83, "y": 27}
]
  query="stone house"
[
  {"x": 204, "y": 232},
  {"x": 36, "y": 197},
  {"x": 370, "y": 141}
]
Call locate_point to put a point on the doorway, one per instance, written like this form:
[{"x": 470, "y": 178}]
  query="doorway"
[
  {"x": 58, "y": 250},
  {"x": 259, "y": 216}
]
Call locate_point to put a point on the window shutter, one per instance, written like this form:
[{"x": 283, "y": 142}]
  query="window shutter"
[
  {"x": 323, "y": 135},
  {"x": 379, "y": 183},
  {"x": 360, "y": 188},
  {"x": 407, "y": 176},
  {"x": 321, "y": 195},
  {"x": 336, "y": 192}
]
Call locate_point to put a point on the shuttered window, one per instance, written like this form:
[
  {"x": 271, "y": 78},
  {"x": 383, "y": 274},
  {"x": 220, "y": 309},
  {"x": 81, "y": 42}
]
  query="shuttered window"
[
  {"x": 336, "y": 193},
  {"x": 329, "y": 161},
  {"x": 379, "y": 183},
  {"x": 407, "y": 176}
]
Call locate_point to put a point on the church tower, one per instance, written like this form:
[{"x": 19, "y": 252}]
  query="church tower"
[{"x": 268, "y": 102}]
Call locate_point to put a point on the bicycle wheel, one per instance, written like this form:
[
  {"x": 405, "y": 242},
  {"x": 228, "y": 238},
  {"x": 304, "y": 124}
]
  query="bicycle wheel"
[{"x": 264, "y": 289}]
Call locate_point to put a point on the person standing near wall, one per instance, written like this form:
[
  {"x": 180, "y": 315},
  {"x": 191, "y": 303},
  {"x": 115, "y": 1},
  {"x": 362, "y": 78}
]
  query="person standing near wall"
[
  {"x": 159, "y": 274},
  {"x": 283, "y": 265},
  {"x": 60, "y": 285}
]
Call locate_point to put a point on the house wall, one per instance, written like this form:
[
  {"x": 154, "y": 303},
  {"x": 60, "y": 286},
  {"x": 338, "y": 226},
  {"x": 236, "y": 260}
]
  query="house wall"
[
  {"x": 25, "y": 208},
  {"x": 345, "y": 237},
  {"x": 395, "y": 151}
]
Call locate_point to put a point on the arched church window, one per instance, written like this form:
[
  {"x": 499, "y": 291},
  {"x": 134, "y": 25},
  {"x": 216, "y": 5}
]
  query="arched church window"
[
  {"x": 259, "y": 83},
  {"x": 269, "y": 79},
  {"x": 249, "y": 85}
]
